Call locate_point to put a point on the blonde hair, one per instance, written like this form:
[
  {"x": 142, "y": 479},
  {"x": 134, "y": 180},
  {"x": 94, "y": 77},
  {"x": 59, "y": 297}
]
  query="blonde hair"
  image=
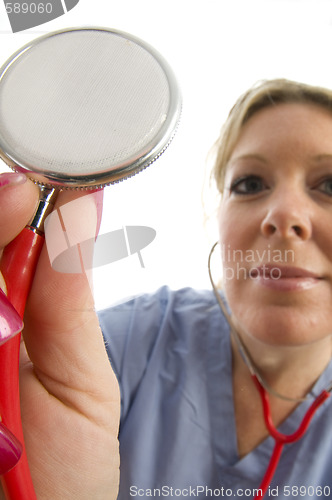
[{"x": 264, "y": 94}]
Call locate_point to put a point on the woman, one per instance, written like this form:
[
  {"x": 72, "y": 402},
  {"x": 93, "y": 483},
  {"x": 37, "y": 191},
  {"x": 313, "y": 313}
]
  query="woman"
[{"x": 191, "y": 417}]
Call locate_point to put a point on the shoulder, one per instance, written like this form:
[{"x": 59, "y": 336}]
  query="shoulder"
[
  {"x": 149, "y": 323},
  {"x": 166, "y": 295},
  {"x": 152, "y": 308}
]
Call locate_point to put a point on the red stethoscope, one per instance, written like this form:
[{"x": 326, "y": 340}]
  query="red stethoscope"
[
  {"x": 73, "y": 115},
  {"x": 279, "y": 438}
]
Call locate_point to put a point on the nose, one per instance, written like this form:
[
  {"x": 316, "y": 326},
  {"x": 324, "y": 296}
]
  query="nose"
[{"x": 288, "y": 216}]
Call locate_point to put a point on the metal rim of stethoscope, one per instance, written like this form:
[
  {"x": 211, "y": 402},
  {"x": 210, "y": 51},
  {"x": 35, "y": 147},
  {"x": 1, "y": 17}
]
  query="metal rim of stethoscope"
[{"x": 243, "y": 349}]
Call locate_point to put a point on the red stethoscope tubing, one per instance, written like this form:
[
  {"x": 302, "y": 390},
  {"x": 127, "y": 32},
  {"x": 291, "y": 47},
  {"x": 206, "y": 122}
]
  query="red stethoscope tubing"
[
  {"x": 282, "y": 439},
  {"x": 18, "y": 264}
]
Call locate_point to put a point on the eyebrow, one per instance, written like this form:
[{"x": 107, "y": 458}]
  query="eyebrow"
[
  {"x": 324, "y": 156},
  {"x": 262, "y": 159},
  {"x": 250, "y": 156}
]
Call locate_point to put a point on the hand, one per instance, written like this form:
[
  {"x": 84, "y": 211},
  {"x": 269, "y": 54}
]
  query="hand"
[{"x": 69, "y": 395}]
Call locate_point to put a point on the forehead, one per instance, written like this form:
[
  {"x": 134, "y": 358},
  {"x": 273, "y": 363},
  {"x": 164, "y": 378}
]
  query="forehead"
[{"x": 298, "y": 127}]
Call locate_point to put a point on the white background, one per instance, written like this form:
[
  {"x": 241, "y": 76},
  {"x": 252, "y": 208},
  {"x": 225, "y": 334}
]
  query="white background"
[{"x": 217, "y": 48}]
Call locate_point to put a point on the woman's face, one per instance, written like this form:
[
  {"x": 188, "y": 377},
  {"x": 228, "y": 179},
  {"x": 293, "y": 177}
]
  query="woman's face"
[{"x": 275, "y": 223}]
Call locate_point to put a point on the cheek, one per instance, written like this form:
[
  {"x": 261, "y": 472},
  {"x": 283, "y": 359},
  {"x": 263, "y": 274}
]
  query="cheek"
[
  {"x": 237, "y": 233},
  {"x": 225, "y": 222},
  {"x": 239, "y": 237},
  {"x": 323, "y": 239},
  {"x": 233, "y": 243}
]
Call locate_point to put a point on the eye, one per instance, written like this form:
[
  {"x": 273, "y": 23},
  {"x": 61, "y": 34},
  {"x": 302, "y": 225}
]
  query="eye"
[
  {"x": 325, "y": 186},
  {"x": 249, "y": 184}
]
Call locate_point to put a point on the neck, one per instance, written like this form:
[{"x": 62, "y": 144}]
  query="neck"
[{"x": 289, "y": 370}]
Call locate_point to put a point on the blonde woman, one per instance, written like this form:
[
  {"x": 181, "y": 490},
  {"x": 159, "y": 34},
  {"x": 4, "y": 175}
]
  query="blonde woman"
[{"x": 191, "y": 373}]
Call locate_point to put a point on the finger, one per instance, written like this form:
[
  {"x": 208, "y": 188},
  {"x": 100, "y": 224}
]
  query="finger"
[
  {"x": 18, "y": 200},
  {"x": 62, "y": 333}
]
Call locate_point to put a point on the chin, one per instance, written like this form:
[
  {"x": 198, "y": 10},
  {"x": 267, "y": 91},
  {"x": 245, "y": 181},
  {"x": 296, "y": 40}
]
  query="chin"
[
  {"x": 281, "y": 326},
  {"x": 280, "y": 319}
]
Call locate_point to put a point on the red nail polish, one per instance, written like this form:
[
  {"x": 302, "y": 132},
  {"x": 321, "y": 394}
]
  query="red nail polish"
[
  {"x": 11, "y": 179},
  {"x": 10, "y": 321}
]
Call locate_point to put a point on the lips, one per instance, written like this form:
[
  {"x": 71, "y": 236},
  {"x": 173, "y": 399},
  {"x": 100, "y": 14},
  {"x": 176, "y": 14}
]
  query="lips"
[
  {"x": 285, "y": 278},
  {"x": 282, "y": 272}
]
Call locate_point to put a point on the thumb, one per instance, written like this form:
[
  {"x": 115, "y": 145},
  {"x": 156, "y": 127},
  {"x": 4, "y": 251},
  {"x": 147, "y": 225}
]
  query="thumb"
[
  {"x": 61, "y": 327},
  {"x": 70, "y": 233},
  {"x": 63, "y": 279}
]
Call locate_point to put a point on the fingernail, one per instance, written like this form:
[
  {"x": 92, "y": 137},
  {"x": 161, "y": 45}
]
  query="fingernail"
[
  {"x": 11, "y": 178},
  {"x": 10, "y": 450},
  {"x": 10, "y": 321}
]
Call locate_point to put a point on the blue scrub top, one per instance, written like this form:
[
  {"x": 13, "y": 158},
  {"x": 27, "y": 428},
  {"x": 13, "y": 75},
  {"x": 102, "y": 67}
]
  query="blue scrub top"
[{"x": 171, "y": 353}]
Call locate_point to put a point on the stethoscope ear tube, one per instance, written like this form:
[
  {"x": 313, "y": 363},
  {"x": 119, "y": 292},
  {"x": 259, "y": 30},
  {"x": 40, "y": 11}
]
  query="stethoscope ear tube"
[{"x": 18, "y": 264}]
